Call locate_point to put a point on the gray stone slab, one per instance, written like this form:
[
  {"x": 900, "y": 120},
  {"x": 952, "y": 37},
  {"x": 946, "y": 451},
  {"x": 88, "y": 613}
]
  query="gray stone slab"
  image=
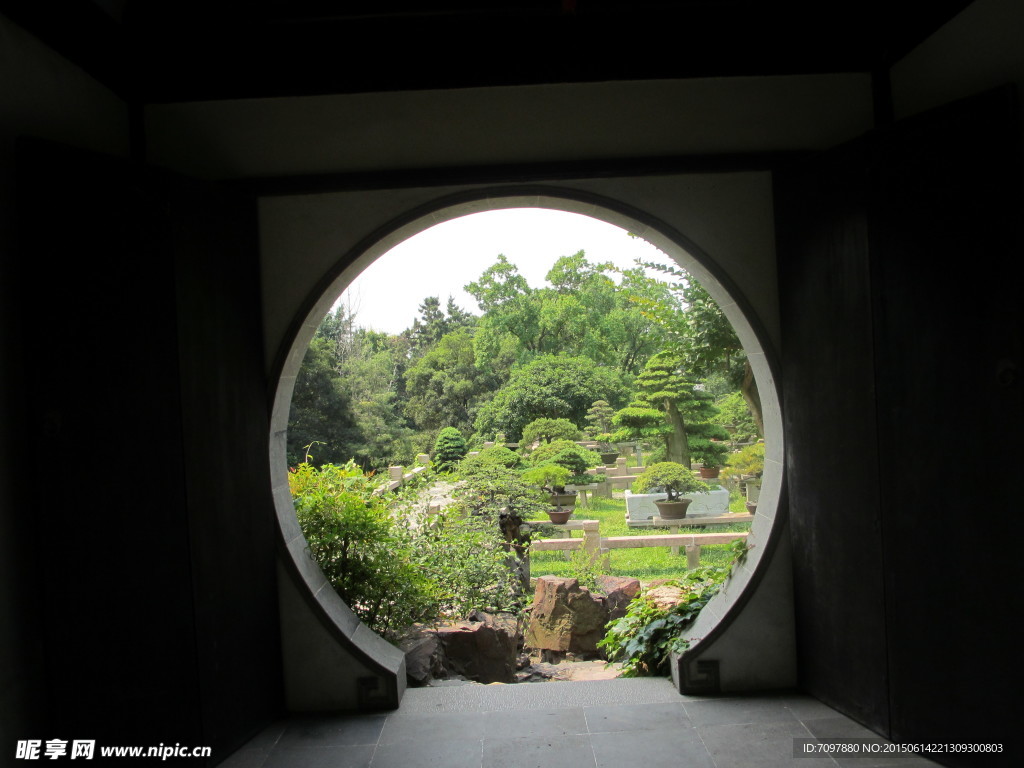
[
  {"x": 757, "y": 745},
  {"x": 429, "y": 754},
  {"x": 637, "y": 717},
  {"x": 483, "y": 698},
  {"x": 650, "y": 749},
  {"x": 738, "y": 710},
  {"x": 564, "y": 752},
  {"x": 319, "y": 757},
  {"x": 332, "y": 731}
]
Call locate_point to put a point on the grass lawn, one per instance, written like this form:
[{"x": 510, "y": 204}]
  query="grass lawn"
[{"x": 647, "y": 563}]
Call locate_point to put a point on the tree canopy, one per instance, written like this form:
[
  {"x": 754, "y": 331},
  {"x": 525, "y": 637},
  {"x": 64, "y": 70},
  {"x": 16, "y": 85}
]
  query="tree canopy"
[{"x": 571, "y": 353}]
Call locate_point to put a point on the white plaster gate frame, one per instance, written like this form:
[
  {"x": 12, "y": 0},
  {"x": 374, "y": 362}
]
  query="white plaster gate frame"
[{"x": 742, "y": 640}]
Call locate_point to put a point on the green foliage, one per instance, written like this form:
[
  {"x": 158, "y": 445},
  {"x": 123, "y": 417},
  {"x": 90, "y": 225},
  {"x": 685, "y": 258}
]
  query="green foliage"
[
  {"x": 347, "y": 397},
  {"x": 445, "y": 386},
  {"x": 545, "y": 430},
  {"x": 368, "y": 560},
  {"x": 600, "y": 415},
  {"x": 672, "y": 477},
  {"x": 432, "y": 323},
  {"x": 497, "y": 456},
  {"x": 551, "y": 386},
  {"x": 449, "y": 449},
  {"x": 733, "y": 412},
  {"x": 583, "y": 313},
  {"x": 466, "y": 560},
  {"x": 584, "y": 568},
  {"x": 564, "y": 453},
  {"x": 664, "y": 389},
  {"x": 551, "y": 477},
  {"x": 646, "y": 637},
  {"x": 749, "y": 460}
]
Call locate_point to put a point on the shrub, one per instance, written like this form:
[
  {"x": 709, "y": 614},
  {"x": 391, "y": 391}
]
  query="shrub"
[
  {"x": 547, "y": 430},
  {"x": 567, "y": 454},
  {"x": 500, "y": 497},
  {"x": 366, "y": 557},
  {"x": 670, "y": 476},
  {"x": 449, "y": 449},
  {"x": 488, "y": 458},
  {"x": 466, "y": 560}
]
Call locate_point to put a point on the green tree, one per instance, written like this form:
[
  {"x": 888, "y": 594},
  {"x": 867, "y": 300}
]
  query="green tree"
[
  {"x": 685, "y": 412},
  {"x": 546, "y": 430},
  {"x": 583, "y": 312},
  {"x": 550, "y": 386},
  {"x": 446, "y": 387},
  {"x": 600, "y": 416},
  {"x": 434, "y": 323},
  {"x": 449, "y": 449},
  {"x": 700, "y": 334}
]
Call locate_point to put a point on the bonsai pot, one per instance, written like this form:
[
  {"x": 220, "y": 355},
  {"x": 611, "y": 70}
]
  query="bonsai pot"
[
  {"x": 609, "y": 457},
  {"x": 709, "y": 471},
  {"x": 672, "y": 510},
  {"x": 751, "y": 507},
  {"x": 563, "y": 500},
  {"x": 559, "y": 515}
]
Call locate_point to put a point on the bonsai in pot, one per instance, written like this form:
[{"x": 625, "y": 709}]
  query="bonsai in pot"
[
  {"x": 675, "y": 480},
  {"x": 711, "y": 454},
  {"x": 552, "y": 478},
  {"x": 608, "y": 452}
]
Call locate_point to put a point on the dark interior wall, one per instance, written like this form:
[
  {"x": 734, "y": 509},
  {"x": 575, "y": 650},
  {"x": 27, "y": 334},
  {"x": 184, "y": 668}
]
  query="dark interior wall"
[
  {"x": 899, "y": 280},
  {"x": 831, "y": 436},
  {"x": 145, "y": 433},
  {"x": 42, "y": 95}
]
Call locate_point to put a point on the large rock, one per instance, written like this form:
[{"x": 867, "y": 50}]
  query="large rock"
[
  {"x": 566, "y": 617},
  {"x": 665, "y": 596},
  {"x": 619, "y": 592},
  {"x": 483, "y": 648}
]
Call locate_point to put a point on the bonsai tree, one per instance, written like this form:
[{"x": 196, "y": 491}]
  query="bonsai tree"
[
  {"x": 708, "y": 452},
  {"x": 551, "y": 477},
  {"x": 547, "y": 430},
  {"x": 600, "y": 418},
  {"x": 449, "y": 449},
  {"x": 671, "y": 477},
  {"x": 749, "y": 460},
  {"x": 567, "y": 454}
]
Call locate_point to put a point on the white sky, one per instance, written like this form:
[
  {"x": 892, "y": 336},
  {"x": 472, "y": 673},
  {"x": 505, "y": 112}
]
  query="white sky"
[{"x": 441, "y": 260}]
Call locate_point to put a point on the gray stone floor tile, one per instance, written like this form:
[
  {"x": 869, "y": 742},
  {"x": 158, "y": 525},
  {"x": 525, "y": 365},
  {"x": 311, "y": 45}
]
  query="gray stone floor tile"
[
  {"x": 637, "y": 717},
  {"x": 837, "y": 726},
  {"x": 443, "y": 726},
  {"x": 560, "y": 752},
  {"x": 758, "y": 745},
  {"x": 664, "y": 748},
  {"x": 332, "y": 731},
  {"x": 245, "y": 758},
  {"x": 319, "y": 757},
  {"x": 428, "y": 754},
  {"x": 269, "y": 736},
  {"x": 541, "y": 723},
  {"x": 737, "y": 710},
  {"x": 886, "y": 762}
]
